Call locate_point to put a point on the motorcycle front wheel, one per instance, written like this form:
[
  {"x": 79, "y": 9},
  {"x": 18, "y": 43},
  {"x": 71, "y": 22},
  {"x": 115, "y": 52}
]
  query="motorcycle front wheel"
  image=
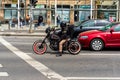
[
  {"x": 74, "y": 48},
  {"x": 39, "y": 48}
]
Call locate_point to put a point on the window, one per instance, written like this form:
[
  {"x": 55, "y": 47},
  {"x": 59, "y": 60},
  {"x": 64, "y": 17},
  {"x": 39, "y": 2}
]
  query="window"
[
  {"x": 63, "y": 11},
  {"x": 88, "y": 24},
  {"x": 101, "y": 23},
  {"x": 9, "y": 14},
  {"x": 117, "y": 28},
  {"x": 40, "y": 9}
]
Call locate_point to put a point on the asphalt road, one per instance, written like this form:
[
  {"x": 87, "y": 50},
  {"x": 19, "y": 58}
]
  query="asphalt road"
[{"x": 18, "y": 62}]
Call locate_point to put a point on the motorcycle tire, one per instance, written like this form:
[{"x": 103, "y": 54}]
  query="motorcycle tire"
[
  {"x": 39, "y": 49},
  {"x": 74, "y": 48}
]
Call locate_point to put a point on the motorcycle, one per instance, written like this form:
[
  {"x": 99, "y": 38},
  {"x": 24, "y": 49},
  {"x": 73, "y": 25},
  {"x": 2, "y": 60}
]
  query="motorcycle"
[{"x": 53, "y": 37}]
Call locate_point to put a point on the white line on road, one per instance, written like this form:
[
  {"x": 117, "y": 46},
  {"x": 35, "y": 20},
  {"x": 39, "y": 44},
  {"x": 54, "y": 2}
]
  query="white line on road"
[
  {"x": 3, "y": 74},
  {"x": 36, "y": 64},
  {"x": 1, "y": 65}
]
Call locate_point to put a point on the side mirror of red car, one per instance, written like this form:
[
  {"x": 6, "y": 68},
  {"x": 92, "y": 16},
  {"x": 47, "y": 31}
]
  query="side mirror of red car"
[{"x": 111, "y": 31}]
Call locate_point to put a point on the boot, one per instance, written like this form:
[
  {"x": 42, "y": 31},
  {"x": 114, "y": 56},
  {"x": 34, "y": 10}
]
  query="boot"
[{"x": 59, "y": 54}]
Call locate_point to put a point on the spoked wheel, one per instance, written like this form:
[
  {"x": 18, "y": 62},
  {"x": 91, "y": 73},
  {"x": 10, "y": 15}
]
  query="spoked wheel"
[
  {"x": 96, "y": 44},
  {"x": 74, "y": 48},
  {"x": 39, "y": 48}
]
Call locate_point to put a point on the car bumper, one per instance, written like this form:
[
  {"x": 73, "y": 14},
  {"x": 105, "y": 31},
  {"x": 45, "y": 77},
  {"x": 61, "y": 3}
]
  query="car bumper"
[{"x": 84, "y": 42}]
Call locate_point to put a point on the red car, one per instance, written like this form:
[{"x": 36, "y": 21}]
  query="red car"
[{"x": 108, "y": 36}]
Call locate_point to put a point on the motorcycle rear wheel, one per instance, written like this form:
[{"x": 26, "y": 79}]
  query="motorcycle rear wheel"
[
  {"x": 74, "y": 48},
  {"x": 39, "y": 48}
]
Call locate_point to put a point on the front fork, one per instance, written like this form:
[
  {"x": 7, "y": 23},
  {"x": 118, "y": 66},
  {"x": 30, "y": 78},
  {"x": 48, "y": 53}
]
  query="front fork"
[{"x": 43, "y": 41}]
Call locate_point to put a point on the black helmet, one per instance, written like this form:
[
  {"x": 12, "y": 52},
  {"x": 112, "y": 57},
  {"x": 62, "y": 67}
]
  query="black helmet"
[{"x": 63, "y": 24}]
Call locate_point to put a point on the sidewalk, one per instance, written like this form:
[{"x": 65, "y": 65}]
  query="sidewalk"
[{"x": 5, "y": 30}]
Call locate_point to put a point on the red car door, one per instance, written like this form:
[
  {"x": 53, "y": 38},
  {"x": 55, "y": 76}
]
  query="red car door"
[{"x": 114, "y": 36}]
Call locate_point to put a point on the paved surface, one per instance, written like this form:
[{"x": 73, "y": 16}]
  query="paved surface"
[
  {"x": 5, "y": 30},
  {"x": 20, "y": 63}
]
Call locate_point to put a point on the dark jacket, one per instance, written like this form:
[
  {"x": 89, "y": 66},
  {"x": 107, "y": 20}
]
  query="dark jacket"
[
  {"x": 58, "y": 19},
  {"x": 40, "y": 19},
  {"x": 64, "y": 33}
]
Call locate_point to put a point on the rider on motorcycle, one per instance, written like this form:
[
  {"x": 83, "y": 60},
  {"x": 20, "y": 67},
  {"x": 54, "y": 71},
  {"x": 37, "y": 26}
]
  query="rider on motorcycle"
[
  {"x": 63, "y": 36},
  {"x": 58, "y": 40}
]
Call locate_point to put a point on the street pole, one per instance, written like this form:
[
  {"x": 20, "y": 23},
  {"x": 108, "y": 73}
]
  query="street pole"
[
  {"x": 31, "y": 15},
  {"x": 25, "y": 11},
  {"x": 18, "y": 15},
  {"x": 91, "y": 9},
  {"x": 55, "y": 12}
]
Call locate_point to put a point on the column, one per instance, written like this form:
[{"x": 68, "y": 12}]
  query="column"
[
  {"x": 48, "y": 15},
  {"x": 72, "y": 14}
]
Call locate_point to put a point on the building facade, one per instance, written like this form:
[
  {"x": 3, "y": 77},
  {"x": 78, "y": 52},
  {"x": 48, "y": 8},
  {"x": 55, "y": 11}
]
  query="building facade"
[{"x": 69, "y": 10}]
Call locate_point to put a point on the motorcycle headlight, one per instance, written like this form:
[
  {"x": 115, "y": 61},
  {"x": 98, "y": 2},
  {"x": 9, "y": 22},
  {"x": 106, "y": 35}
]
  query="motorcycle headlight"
[{"x": 84, "y": 37}]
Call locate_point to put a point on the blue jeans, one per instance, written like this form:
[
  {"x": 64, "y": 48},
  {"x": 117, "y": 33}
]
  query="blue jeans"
[{"x": 58, "y": 23}]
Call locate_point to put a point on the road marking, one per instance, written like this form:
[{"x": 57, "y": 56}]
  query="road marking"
[
  {"x": 93, "y": 78},
  {"x": 36, "y": 64},
  {"x": 3, "y": 74},
  {"x": 1, "y": 65}
]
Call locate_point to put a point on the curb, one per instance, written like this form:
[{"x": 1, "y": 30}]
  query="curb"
[{"x": 37, "y": 32}]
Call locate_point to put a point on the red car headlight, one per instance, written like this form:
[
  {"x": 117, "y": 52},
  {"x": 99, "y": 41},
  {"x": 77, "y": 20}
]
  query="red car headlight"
[{"x": 83, "y": 37}]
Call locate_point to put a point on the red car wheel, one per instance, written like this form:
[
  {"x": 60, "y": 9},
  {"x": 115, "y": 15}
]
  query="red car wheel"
[{"x": 96, "y": 44}]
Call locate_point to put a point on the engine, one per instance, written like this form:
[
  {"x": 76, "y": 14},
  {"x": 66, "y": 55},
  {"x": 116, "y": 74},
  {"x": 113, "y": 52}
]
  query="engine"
[{"x": 54, "y": 40}]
